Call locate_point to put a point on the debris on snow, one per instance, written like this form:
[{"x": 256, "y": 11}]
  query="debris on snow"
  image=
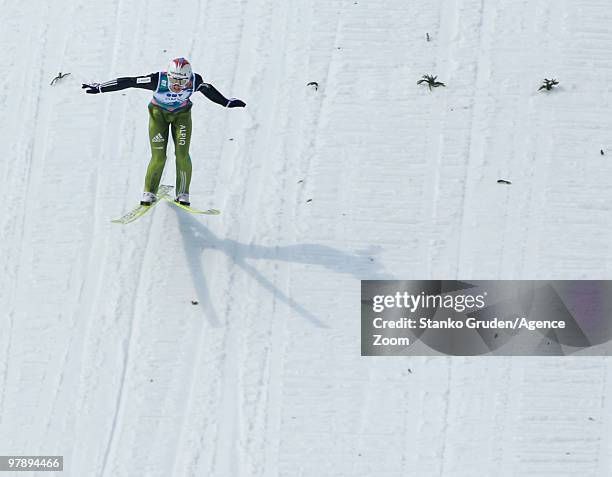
[
  {"x": 548, "y": 84},
  {"x": 309, "y": 200},
  {"x": 315, "y": 84},
  {"x": 194, "y": 302},
  {"x": 503, "y": 181},
  {"x": 430, "y": 80},
  {"x": 427, "y": 36},
  {"x": 59, "y": 76}
]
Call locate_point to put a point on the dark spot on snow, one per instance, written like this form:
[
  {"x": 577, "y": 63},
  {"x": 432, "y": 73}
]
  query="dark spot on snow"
[
  {"x": 503, "y": 181},
  {"x": 313, "y": 83},
  {"x": 300, "y": 181},
  {"x": 309, "y": 200},
  {"x": 591, "y": 418},
  {"x": 548, "y": 84},
  {"x": 231, "y": 138},
  {"x": 409, "y": 371},
  {"x": 194, "y": 302},
  {"x": 430, "y": 81},
  {"x": 59, "y": 76},
  {"x": 601, "y": 152}
]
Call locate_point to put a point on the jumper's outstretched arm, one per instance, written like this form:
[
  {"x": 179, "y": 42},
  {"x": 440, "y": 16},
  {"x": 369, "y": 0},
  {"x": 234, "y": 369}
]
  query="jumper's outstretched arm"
[{"x": 141, "y": 82}]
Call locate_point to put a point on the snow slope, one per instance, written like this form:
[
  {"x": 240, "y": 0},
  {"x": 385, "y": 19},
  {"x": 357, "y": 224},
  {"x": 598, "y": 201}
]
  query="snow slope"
[{"x": 103, "y": 357}]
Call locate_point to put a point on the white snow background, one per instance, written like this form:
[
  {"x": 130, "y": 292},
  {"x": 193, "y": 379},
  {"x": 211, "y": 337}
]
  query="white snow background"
[{"x": 105, "y": 360}]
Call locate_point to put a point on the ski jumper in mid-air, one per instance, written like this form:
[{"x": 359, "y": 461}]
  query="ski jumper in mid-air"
[{"x": 170, "y": 108}]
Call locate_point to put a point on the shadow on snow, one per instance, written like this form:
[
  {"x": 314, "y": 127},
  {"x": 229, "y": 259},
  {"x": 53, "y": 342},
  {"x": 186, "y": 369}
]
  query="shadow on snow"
[{"x": 197, "y": 238}]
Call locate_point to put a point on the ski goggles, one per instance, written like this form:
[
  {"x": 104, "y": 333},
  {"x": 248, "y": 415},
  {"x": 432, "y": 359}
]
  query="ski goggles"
[{"x": 177, "y": 81}]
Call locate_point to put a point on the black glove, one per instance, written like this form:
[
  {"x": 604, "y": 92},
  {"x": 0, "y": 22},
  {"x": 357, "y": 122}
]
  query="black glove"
[
  {"x": 92, "y": 88},
  {"x": 235, "y": 103}
]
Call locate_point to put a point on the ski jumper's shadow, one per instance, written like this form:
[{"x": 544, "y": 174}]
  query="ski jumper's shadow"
[{"x": 197, "y": 238}]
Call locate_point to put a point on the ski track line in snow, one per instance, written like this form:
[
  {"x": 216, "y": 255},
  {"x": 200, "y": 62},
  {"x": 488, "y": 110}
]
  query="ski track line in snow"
[
  {"x": 266, "y": 195},
  {"x": 7, "y": 354},
  {"x": 604, "y": 422},
  {"x": 14, "y": 169},
  {"x": 91, "y": 266},
  {"x": 32, "y": 374},
  {"x": 228, "y": 458},
  {"x": 110, "y": 452},
  {"x": 111, "y": 440},
  {"x": 269, "y": 397},
  {"x": 101, "y": 253},
  {"x": 469, "y": 23},
  {"x": 324, "y": 82},
  {"x": 60, "y": 404},
  {"x": 439, "y": 65},
  {"x": 445, "y": 418}
]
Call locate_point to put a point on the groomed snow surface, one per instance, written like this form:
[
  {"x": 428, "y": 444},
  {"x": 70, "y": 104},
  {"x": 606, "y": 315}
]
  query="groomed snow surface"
[{"x": 105, "y": 360}]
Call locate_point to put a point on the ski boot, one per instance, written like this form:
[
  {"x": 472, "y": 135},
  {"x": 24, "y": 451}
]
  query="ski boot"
[
  {"x": 183, "y": 199},
  {"x": 148, "y": 198}
]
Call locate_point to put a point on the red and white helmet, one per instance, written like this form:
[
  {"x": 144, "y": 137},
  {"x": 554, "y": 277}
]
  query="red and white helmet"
[{"x": 179, "y": 72}]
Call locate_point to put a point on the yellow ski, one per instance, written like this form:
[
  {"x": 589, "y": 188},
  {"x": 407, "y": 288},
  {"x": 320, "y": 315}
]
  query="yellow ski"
[
  {"x": 192, "y": 210},
  {"x": 140, "y": 210}
]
